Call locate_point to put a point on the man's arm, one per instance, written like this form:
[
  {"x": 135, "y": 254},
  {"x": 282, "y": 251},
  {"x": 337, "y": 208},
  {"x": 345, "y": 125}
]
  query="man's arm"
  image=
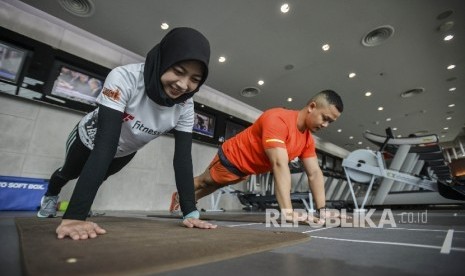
[
  {"x": 316, "y": 181},
  {"x": 282, "y": 177}
]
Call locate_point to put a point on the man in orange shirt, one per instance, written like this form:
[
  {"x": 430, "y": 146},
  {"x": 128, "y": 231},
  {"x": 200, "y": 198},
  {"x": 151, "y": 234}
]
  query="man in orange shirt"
[{"x": 278, "y": 136}]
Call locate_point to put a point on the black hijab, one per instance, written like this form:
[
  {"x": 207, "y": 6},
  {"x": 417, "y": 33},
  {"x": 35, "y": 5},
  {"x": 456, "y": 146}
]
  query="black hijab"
[{"x": 178, "y": 45}]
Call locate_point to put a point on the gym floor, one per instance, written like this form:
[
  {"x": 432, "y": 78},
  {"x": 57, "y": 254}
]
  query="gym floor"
[{"x": 422, "y": 242}]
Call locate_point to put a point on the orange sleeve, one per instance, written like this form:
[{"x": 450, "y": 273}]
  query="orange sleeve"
[{"x": 274, "y": 130}]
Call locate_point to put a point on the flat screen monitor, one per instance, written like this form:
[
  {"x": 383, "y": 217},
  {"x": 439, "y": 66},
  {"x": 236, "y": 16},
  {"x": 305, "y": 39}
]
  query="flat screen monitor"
[
  {"x": 204, "y": 124},
  {"x": 329, "y": 162},
  {"x": 232, "y": 129},
  {"x": 74, "y": 83},
  {"x": 12, "y": 60}
]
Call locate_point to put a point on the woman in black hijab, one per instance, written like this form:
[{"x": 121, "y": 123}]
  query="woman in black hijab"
[{"x": 138, "y": 103}]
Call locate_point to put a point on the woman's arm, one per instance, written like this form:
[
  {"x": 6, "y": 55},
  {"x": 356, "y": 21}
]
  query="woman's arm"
[{"x": 95, "y": 169}]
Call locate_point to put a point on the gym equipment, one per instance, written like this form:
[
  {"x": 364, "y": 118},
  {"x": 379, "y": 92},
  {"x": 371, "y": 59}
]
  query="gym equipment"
[{"x": 365, "y": 166}]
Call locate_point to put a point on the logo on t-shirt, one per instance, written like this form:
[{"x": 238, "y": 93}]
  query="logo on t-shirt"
[
  {"x": 127, "y": 117},
  {"x": 112, "y": 94}
]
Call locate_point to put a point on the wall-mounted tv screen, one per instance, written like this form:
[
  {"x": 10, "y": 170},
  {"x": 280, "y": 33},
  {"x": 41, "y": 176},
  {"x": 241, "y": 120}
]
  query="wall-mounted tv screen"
[
  {"x": 204, "y": 124},
  {"x": 11, "y": 62},
  {"x": 232, "y": 129},
  {"x": 74, "y": 83}
]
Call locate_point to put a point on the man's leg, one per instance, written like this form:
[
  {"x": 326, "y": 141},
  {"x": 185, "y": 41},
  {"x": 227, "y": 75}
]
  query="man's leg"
[{"x": 204, "y": 185}]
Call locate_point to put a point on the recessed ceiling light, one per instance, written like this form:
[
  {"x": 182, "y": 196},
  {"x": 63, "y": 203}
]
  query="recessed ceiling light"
[
  {"x": 164, "y": 26},
  {"x": 351, "y": 137},
  {"x": 388, "y": 119},
  {"x": 325, "y": 47},
  {"x": 394, "y": 128},
  {"x": 442, "y": 136},
  {"x": 446, "y": 128},
  {"x": 352, "y": 75},
  {"x": 451, "y": 105},
  {"x": 368, "y": 93},
  {"x": 448, "y": 37},
  {"x": 450, "y": 67},
  {"x": 339, "y": 130},
  {"x": 449, "y": 118},
  {"x": 360, "y": 142},
  {"x": 452, "y": 89},
  {"x": 260, "y": 82},
  {"x": 380, "y": 108},
  {"x": 284, "y": 8},
  {"x": 289, "y": 99},
  {"x": 222, "y": 59}
]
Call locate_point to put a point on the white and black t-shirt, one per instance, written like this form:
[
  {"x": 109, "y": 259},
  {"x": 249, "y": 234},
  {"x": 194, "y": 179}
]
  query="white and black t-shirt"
[{"x": 143, "y": 119}]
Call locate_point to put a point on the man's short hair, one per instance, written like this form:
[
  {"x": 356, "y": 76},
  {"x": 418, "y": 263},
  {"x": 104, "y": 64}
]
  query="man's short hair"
[{"x": 330, "y": 97}]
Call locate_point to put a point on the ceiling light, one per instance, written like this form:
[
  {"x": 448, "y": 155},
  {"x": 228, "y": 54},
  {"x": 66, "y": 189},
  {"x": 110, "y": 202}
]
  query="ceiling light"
[
  {"x": 446, "y": 128},
  {"x": 339, "y": 130},
  {"x": 351, "y": 137},
  {"x": 449, "y": 118},
  {"x": 450, "y": 67},
  {"x": 260, "y": 82},
  {"x": 284, "y": 8},
  {"x": 399, "y": 136},
  {"x": 394, "y": 128},
  {"x": 289, "y": 99},
  {"x": 451, "y": 105},
  {"x": 448, "y": 37},
  {"x": 222, "y": 59},
  {"x": 352, "y": 75},
  {"x": 442, "y": 136},
  {"x": 452, "y": 89},
  {"x": 388, "y": 119},
  {"x": 325, "y": 47},
  {"x": 360, "y": 142},
  {"x": 380, "y": 108},
  {"x": 368, "y": 93},
  {"x": 164, "y": 26}
]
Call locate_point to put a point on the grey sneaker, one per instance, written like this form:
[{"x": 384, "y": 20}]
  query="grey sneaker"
[{"x": 48, "y": 207}]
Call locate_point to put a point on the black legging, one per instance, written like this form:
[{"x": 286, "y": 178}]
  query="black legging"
[{"x": 76, "y": 157}]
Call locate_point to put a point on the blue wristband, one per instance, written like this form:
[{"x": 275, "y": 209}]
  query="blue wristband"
[{"x": 193, "y": 214}]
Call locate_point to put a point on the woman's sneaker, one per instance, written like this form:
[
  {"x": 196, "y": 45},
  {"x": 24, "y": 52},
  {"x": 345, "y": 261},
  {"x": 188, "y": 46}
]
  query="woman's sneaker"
[
  {"x": 48, "y": 207},
  {"x": 174, "y": 206}
]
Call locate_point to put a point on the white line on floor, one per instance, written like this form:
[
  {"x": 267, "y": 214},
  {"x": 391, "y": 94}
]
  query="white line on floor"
[
  {"x": 245, "y": 224},
  {"x": 445, "y": 249},
  {"x": 425, "y": 230},
  {"x": 390, "y": 243},
  {"x": 319, "y": 229}
]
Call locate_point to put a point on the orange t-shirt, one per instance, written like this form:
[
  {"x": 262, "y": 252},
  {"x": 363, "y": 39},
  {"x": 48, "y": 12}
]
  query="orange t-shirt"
[{"x": 276, "y": 127}]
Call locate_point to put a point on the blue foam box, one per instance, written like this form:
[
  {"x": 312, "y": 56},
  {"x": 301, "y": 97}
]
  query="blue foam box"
[{"x": 21, "y": 193}]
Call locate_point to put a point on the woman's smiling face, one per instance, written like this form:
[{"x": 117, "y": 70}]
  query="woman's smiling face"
[{"x": 183, "y": 77}]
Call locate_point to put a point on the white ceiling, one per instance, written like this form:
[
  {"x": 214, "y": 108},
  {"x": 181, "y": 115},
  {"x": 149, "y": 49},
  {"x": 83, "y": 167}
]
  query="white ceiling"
[{"x": 259, "y": 42}]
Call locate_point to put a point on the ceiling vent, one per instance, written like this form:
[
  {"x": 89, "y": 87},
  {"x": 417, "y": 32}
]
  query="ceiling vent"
[
  {"x": 412, "y": 92},
  {"x": 250, "y": 92},
  {"x": 378, "y": 36},
  {"x": 81, "y": 8}
]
